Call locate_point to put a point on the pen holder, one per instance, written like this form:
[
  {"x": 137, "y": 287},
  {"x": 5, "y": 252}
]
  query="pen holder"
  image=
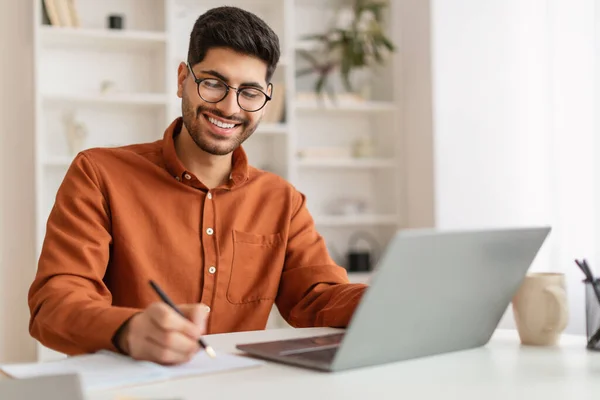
[{"x": 592, "y": 314}]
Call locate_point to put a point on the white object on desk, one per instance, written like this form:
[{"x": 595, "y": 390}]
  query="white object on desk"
[
  {"x": 502, "y": 370},
  {"x": 61, "y": 387},
  {"x": 105, "y": 370}
]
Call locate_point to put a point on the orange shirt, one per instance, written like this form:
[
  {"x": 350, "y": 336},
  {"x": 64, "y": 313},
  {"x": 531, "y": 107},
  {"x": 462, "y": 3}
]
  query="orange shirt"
[{"x": 126, "y": 215}]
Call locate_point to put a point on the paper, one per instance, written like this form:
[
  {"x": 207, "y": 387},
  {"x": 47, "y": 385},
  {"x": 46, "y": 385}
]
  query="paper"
[{"x": 107, "y": 370}]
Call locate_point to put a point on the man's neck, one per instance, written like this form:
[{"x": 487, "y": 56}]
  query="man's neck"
[{"x": 210, "y": 169}]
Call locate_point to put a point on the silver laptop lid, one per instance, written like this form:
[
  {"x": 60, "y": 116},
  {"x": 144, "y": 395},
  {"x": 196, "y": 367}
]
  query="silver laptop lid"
[{"x": 435, "y": 292}]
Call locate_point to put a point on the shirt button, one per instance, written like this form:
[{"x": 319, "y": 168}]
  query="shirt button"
[
  {"x": 209, "y": 196},
  {"x": 207, "y": 309},
  {"x": 209, "y": 231},
  {"x": 187, "y": 176},
  {"x": 212, "y": 269}
]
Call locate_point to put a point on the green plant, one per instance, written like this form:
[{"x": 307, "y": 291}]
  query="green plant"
[{"x": 357, "y": 41}]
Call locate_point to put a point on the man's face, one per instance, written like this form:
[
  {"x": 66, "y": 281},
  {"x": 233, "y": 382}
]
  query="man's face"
[{"x": 202, "y": 118}]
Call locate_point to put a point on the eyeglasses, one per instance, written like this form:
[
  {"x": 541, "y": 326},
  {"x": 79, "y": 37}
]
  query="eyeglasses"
[{"x": 214, "y": 90}]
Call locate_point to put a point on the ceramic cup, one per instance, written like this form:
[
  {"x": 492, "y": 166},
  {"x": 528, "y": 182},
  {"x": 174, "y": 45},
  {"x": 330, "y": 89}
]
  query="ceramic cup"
[{"x": 540, "y": 309}]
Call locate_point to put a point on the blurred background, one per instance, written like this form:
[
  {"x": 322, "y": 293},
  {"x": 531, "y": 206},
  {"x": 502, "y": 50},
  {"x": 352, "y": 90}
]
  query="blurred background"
[{"x": 388, "y": 115}]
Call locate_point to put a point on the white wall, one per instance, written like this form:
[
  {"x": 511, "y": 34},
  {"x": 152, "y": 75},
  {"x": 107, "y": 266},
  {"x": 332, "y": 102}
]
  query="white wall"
[
  {"x": 491, "y": 85},
  {"x": 17, "y": 261},
  {"x": 574, "y": 101},
  {"x": 513, "y": 113}
]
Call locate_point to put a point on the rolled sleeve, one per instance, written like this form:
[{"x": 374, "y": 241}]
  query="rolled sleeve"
[{"x": 314, "y": 291}]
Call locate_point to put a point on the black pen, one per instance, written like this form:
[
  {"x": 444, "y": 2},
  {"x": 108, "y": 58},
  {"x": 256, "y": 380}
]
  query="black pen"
[
  {"x": 209, "y": 350},
  {"x": 589, "y": 277}
]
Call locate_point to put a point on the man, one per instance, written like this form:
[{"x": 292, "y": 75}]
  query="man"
[{"x": 225, "y": 240}]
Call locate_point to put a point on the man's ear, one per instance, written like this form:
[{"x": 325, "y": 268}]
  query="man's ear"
[{"x": 182, "y": 72}]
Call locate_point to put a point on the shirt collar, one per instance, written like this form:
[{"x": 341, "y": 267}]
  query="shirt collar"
[{"x": 239, "y": 171}]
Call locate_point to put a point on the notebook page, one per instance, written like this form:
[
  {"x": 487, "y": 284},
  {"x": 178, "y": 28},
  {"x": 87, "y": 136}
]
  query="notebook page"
[
  {"x": 96, "y": 371},
  {"x": 107, "y": 370},
  {"x": 203, "y": 364}
]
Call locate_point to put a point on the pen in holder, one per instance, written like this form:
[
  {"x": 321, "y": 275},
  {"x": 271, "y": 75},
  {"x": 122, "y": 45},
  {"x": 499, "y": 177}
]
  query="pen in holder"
[
  {"x": 592, "y": 305},
  {"x": 592, "y": 314}
]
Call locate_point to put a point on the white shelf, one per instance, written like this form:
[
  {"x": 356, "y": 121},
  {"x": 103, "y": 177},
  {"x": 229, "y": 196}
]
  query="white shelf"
[
  {"x": 366, "y": 106},
  {"x": 346, "y": 163},
  {"x": 52, "y": 36},
  {"x": 130, "y": 99},
  {"x": 355, "y": 220}
]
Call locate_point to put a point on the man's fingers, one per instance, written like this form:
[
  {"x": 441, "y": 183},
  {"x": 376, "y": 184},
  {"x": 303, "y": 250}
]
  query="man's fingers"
[
  {"x": 167, "y": 319},
  {"x": 158, "y": 353},
  {"x": 173, "y": 340},
  {"x": 197, "y": 313}
]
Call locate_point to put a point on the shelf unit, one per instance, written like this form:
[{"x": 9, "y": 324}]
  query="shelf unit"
[
  {"x": 360, "y": 107},
  {"x": 123, "y": 99},
  {"x": 52, "y": 36},
  {"x": 115, "y": 80}
]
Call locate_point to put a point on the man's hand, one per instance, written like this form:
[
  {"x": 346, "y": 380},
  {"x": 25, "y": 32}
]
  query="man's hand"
[{"x": 161, "y": 335}]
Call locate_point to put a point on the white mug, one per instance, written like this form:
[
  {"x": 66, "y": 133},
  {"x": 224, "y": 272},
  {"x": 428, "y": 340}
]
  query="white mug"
[{"x": 540, "y": 309}]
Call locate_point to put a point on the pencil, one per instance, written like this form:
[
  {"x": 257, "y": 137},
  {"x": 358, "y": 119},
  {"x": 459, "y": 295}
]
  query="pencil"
[{"x": 209, "y": 350}]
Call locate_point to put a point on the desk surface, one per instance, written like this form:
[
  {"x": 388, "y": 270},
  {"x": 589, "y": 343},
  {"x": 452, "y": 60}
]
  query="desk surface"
[{"x": 503, "y": 369}]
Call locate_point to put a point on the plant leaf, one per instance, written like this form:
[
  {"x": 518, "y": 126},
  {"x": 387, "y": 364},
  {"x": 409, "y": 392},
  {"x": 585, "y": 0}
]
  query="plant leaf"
[
  {"x": 305, "y": 71},
  {"x": 309, "y": 57},
  {"x": 320, "y": 83},
  {"x": 314, "y": 36}
]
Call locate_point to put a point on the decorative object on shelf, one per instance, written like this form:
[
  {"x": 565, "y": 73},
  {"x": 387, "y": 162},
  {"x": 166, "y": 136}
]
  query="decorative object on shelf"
[
  {"x": 347, "y": 206},
  {"x": 353, "y": 46},
  {"x": 76, "y": 133},
  {"x": 107, "y": 86},
  {"x": 60, "y": 13},
  {"x": 363, "y": 147},
  {"x": 362, "y": 258},
  {"x": 116, "y": 21}
]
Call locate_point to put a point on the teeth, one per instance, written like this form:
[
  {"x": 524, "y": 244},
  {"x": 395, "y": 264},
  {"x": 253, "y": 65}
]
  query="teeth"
[{"x": 220, "y": 124}]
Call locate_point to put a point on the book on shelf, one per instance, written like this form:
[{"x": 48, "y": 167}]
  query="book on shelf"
[{"x": 60, "y": 13}]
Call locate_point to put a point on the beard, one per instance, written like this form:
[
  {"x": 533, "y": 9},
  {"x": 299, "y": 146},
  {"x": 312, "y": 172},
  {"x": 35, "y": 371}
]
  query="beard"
[{"x": 197, "y": 126}]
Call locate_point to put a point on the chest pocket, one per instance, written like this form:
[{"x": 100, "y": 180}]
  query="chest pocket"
[{"x": 256, "y": 267}]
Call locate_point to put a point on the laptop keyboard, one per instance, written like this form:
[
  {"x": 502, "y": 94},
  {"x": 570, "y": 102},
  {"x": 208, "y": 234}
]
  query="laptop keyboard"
[{"x": 320, "y": 356}]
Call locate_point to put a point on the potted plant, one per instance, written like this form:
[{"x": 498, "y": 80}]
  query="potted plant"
[{"x": 354, "y": 44}]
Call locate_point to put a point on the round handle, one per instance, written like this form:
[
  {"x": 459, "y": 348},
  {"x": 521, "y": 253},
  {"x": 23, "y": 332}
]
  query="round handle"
[{"x": 559, "y": 300}]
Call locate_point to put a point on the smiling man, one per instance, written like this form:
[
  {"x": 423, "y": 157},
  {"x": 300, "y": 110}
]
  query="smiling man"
[{"x": 224, "y": 240}]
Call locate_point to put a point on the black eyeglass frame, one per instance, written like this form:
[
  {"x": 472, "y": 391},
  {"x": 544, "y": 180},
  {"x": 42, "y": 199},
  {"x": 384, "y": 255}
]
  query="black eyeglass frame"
[{"x": 198, "y": 81}]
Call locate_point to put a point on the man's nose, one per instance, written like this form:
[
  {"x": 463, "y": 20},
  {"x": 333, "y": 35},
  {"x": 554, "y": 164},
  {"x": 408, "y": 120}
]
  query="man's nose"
[{"x": 229, "y": 105}]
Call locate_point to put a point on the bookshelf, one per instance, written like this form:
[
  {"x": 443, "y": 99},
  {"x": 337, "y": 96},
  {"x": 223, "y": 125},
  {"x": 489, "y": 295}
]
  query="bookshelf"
[{"x": 109, "y": 81}]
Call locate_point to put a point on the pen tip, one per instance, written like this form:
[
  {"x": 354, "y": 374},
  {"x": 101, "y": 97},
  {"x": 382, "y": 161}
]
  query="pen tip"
[{"x": 211, "y": 352}]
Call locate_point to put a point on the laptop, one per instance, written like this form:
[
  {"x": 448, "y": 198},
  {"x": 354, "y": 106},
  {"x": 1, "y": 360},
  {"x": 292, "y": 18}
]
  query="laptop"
[{"x": 432, "y": 292}]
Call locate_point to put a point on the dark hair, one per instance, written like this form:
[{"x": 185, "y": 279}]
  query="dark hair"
[{"x": 237, "y": 29}]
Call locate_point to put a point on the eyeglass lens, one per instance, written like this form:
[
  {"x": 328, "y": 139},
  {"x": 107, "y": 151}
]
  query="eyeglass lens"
[{"x": 213, "y": 90}]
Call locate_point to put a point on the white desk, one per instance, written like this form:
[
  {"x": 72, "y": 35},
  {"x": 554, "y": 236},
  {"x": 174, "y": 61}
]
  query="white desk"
[{"x": 503, "y": 369}]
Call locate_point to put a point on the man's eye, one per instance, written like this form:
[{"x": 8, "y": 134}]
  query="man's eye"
[
  {"x": 212, "y": 84},
  {"x": 251, "y": 93}
]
